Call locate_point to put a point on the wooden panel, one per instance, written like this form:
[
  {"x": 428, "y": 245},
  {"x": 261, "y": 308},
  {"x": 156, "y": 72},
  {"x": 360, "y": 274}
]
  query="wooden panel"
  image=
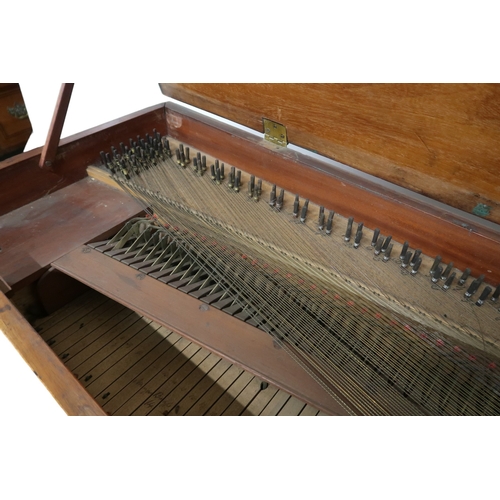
[
  {"x": 23, "y": 181},
  {"x": 68, "y": 392},
  {"x": 38, "y": 233},
  {"x": 220, "y": 333},
  {"x": 138, "y": 367},
  {"x": 434, "y": 230},
  {"x": 440, "y": 140}
]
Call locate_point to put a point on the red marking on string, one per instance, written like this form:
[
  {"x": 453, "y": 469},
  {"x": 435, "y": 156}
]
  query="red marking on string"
[
  {"x": 167, "y": 225},
  {"x": 350, "y": 303},
  {"x": 492, "y": 366},
  {"x": 440, "y": 342},
  {"x": 336, "y": 296},
  {"x": 324, "y": 292},
  {"x": 378, "y": 315},
  {"x": 276, "y": 271},
  {"x": 243, "y": 256},
  {"x": 203, "y": 238},
  {"x": 300, "y": 282},
  {"x": 288, "y": 275},
  {"x": 364, "y": 310},
  {"x": 423, "y": 336},
  {"x": 408, "y": 328},
  {"x": 457, "y": 349},
  {"x": 155, "y": 216},
  {"x": 176, "y": 228},
  {"x": 223, "y": 249},
  {"x": 394, "y": 322},
  {"x": 254, "y": 262},
  {"x": 265, "y": 266},
  {"x": 313, "y": 287},
  {"x": 472, "y": 357}
]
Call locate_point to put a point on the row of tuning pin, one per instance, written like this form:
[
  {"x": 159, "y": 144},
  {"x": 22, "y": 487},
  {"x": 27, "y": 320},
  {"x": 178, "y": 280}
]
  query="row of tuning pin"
[
  {"x": 381, "y": 245},
  {"x": 447, "y": 274},
  {"x": 137, "y": 155}
]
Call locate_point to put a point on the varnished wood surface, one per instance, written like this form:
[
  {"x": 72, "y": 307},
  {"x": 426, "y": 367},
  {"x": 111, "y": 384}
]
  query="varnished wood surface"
[
  {"x": 440, "y": 140},
  {"x": 435, "y": 231},
  {"x": 220, "y": 333},
  {"x": 35, "y": 235},
  {"x": 23, "y": 181},
  {"x": 49, "y": 150},
  {"x": 134, "y": 366},
  {"x": 60, "y": 382}
]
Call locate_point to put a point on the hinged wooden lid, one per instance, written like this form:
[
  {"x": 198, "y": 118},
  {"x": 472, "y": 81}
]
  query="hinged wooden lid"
[{"x": 441, "y": 140}]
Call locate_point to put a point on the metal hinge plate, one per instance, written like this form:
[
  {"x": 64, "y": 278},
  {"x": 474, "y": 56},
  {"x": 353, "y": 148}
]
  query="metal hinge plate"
[{"x": 275, "y": 132}]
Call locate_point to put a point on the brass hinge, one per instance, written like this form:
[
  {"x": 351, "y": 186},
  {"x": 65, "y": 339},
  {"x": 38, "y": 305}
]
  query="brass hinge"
[{"x": 275, "y": 132}]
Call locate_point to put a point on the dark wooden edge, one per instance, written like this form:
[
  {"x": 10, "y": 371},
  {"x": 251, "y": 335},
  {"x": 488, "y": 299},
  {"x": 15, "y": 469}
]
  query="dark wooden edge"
[
  {"x": 429, "y": 227},
  {"x": 59, "y": 381},
  {"x": 240, "y": 343},
  {"x": 49, "y": 150},
  {"x": 23, "y": 181}
]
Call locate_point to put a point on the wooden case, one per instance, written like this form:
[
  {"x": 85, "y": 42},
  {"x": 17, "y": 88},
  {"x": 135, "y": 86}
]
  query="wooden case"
[{"x": 439, "y": 140}]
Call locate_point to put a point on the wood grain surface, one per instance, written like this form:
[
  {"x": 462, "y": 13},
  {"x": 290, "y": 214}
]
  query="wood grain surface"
[
  {"x": 60, "y": 382},
  {"x": 440, "y": 140},
  {"x": 220, "y": 333},
  {"x": 435, "y": 230}
]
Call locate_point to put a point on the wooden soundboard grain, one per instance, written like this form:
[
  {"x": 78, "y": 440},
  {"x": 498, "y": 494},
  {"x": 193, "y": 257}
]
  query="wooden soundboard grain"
[{"x": 131, "y": 365}]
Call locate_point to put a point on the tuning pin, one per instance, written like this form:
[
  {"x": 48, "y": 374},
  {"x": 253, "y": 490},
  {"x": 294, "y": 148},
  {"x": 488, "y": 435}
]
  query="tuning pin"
[
  {"x": 387, "y": 253},
  {"x": 385, "y": 245},
  {"x": 447, "y": 271},
  {"x": 348, "y": 231},
  {"x": 404, "y": 250},
  {"x": 484, "y": 296},
  {"x": 237, "y": 181},
  {"x": 359, "y": 234},
  {"x": 212, "y": 172},
  {"x": 406, "y": 260},
  {"x": 303, "y": 214},
  {"x": 474, "y": 286},
  {"x": 222, "y": 171},
  {"x": 378, "y": 247},
  {"x": 329, "y": 222},
  {"x": 178, "y": 156},
  {"x": 281, "y": 200},
  {"x": 449, "y": 281},
  {"x": 186, "y": 156},
  {"x": 257, "y": 190},
  {"x": 416, "y": 266},
  {"x": 232, "y": 177},
  {"x": 103, "y": 159},
  {"x": 195, "y": 164},
  {"x": 272, "y": 196},
  {"x": 496, "y": 294},
  {"x": 204, "y": 163},
  {"x": 181, "y": 146},
  {"x": 376, "y": 234},
  {"x": 251, "y": 185},
  {"x": 296, "y": 206},
  {"x": 217, "y": 176},
  {"x": 464, "y": 277},
  {"x": 321, "y": 218},
  {"x": 122, "y": 147},
  {"x": 416, "y": 256},
  {"x": 436, "y": 274},
  {"x": 437, "y": 261}
]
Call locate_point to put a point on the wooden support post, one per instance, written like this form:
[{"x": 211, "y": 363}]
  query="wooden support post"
[{"x": 49, "y": 150}]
